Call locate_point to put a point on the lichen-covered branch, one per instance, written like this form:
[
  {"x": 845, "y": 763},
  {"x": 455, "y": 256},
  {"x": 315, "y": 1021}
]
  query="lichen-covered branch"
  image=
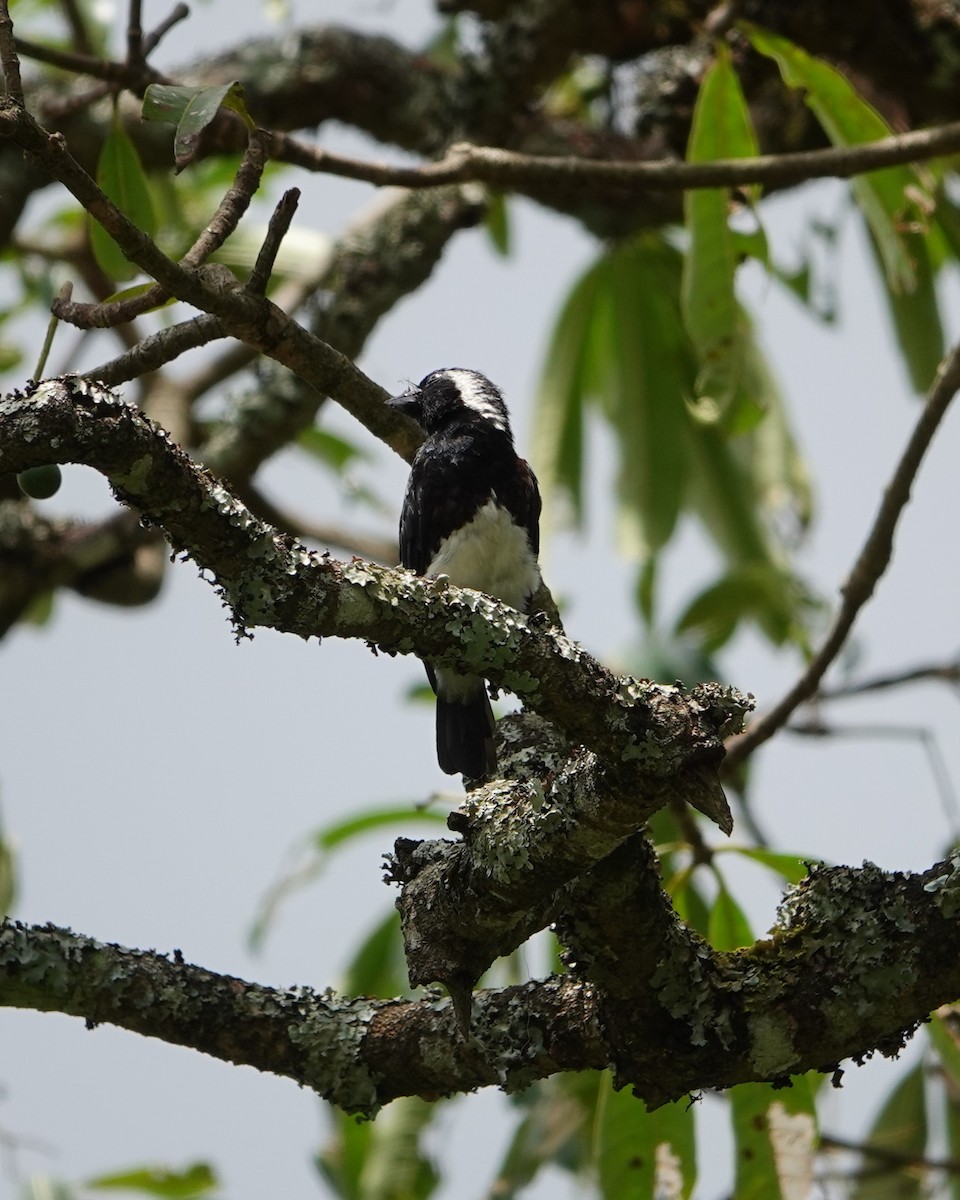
[
  {"x": 648, "y": 730},
  {"x": 857, "y": 959}
]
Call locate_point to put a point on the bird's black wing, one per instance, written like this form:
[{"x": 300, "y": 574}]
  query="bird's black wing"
[
  {"x": 530, "y": 503},
  {"x": 441, "y": 496}
]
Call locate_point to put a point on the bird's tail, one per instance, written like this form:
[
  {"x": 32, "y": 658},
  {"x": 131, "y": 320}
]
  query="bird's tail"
[{"x": 465, "y": 735}]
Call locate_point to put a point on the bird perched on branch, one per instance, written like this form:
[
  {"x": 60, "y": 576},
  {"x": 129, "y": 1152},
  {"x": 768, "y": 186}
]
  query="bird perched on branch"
[{"x": 471, "y": 512}]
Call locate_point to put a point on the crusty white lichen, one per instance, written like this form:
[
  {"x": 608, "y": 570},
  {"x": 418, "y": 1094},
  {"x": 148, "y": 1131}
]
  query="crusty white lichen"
[
  {"x": 687, "y": 985},
  {"x": 330, "y": 1036},
  {"x": 772, "y": 1049},
  {"x": 945, "y": 888}
]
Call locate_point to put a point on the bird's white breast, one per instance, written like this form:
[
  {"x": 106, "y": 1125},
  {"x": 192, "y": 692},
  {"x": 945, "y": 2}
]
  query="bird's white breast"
[{"x": 492, "y": 555}]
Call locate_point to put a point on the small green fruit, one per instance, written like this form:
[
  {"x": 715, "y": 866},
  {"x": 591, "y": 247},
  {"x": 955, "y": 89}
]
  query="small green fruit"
[{"x": 40, "y": 483}]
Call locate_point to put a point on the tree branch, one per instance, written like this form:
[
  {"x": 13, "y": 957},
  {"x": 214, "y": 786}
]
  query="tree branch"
[
  {"x": 502, "y": 168},
  {"x": 872, "y": 561},
  {"x": 857, "y": 959},
  {"x": 647, "y": 730}
]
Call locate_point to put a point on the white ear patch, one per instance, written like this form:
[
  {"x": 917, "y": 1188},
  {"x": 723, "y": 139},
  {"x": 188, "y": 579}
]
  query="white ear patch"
[{"x": 475, "y": 395}]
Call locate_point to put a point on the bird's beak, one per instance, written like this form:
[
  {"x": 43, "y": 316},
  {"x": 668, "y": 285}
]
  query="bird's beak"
[{"x": 409, "y": 404}]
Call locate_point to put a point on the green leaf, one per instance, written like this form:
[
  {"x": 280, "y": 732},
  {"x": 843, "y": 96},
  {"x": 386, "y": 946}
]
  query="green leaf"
[
  {"x": 888, "y": 197},
  {"x": 729, "y": 928},
  {"x": 200, "y": 111},
  {"x": 640, "y": 1154},
  {"x": 565, "y": 380},
  {"x": 121, "y": 176},
  {"x": 140, "y": 289},
  {"x": 648, "y": 373},
  {"x": 688, "y": 900},
  {"x": 901, "y": 1127},
  {"x": 40, "y": 483},
  {"x": 8, "y": 878},
  {"x": 166, "y": 102},
  {"x": 192, "y": 109},
  {"x": 319, "y": 846},
  {"x": 341, "y": 1160},
  {"x": 721, "y": 128},
  {"x": 196, "y": 1180},
  {"x": 780, "y": 476},
  {"x": 790, "y": 867},
  {"x": 941, "y": 1031},
  {"x": 378, "y": 968},
  {"x": 620, "y": 342},
  {"x": 330, "y": 449},
  {"x": 497, "y": 223},
  {"x": 775, "y": 1132},
  {"x": 754, "y": 591},
  {"x": 397, "y": 1167},
  {"x": 916, "y": 317},
  {"x": 555, "y": 1130},
  {"x": 41, "y": 608}
]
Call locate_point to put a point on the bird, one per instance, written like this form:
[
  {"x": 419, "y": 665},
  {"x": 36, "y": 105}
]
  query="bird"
[{"x": 471, "y": 512}]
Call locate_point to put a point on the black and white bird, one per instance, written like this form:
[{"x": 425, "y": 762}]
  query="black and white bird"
[{"x": 471, "y": 512}]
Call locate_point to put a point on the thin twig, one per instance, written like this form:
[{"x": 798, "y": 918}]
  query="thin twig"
[
  {"x": 135, "y": 79},
  {"x": 79, "y": 33},
  {"x": 157, "y": 350},
  {"x": 892, "y": 1157},
  {"x": 276, "y": 232},
  {"x": 65, "y": 293},
  {"x": 942, "y": 672},
  {"x": 152, "y": 40},
  {"x": 9, "y": 60},
  {"x": 504, "y": 168},
  {"x": 870, "y": 565},
  {"x": 928, "y": 742},
  {"x": 135, "y": 51},
  {"x": 224, "y": 221}
]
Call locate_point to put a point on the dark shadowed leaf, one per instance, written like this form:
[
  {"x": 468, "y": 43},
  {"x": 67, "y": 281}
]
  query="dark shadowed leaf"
[
  {"x": 330, "y": 448},
  {"x": 383, "y": 1159},
  {"x": 166, "y": 102},
  {"x": 649, "y": 374},
  {"x": 900, "y": 1127},
  {"x": 885, "y": 197},
  {"x": 640, "y": 1155},
  {"x": 790, "y": 867},
  {"x": 199, "y": 112},
  {"x": 557, "y": 439},
  {"x": 121, "y": 176},
  {"x": 556, "y": 1129},
  {"x": 315, "y": 851},
  {"x": 729, "y": 928},
  {"x": 378, "y": 968},
  {"x": 760, "y": 592},
  {"x": 196, "y": 1180},
  {"x": 497, "y": 223},
  {"x": 688, "y": 900},
  {"x": 775, "y": 1133},
  {"x": 916, "y": 316},
  {"x": 721, "y": 128},
  {"x": 192, "y": 109}
]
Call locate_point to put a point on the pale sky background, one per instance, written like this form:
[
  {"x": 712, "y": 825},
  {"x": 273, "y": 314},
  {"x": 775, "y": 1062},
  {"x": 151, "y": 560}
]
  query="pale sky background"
[{"x": 153, "y": 775}]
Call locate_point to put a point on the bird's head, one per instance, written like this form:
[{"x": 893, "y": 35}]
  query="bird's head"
[{"x": 454, "y": 394}]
